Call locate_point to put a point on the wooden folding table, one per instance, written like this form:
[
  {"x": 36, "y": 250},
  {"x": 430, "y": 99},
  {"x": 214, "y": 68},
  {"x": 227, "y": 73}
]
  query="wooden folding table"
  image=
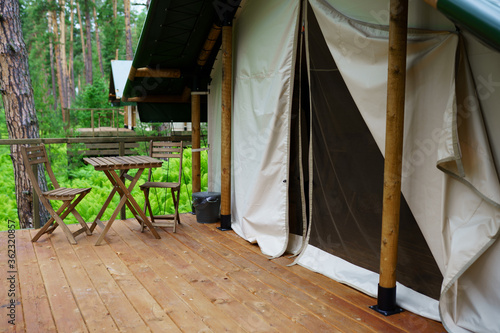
[{"x": 123, "y": 164}]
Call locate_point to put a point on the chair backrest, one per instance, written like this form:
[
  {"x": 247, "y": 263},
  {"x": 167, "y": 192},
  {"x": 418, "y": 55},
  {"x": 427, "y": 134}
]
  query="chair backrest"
[
  {"x": 166, "y": 150},
  {"x": 36, "y": 155}
]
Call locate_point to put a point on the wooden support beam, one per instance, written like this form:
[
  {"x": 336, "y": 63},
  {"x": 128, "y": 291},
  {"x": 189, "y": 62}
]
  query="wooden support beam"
[
  {"x": 213, "y": 35},
  {"x": 195, "y": 143},
  {"x": 398, "y": 26},
  {"x": 433, "y": 3},
  {"x": 184, "y": 98},
  {"x": 150, "y": 72},
  {"x": 227, "y": 75}
]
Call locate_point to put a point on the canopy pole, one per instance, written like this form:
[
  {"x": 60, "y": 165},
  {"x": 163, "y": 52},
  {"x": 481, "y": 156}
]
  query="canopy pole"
[
  {"x": 225, "y": 218},
  {"x": 195, "y": 142},
  {"x": 479, "y": 17},
  {"x": 398, "y": 25}
]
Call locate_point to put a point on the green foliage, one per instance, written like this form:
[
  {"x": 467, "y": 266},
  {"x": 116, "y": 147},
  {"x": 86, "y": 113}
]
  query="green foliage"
[
  {"x": 93, "y": 96},
  {"x": 86, "y": 176}
]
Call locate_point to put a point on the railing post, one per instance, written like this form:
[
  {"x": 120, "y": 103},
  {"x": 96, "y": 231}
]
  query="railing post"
[
  {"x": 92, "y": 121},
  {"x": 121, "y": 152}
]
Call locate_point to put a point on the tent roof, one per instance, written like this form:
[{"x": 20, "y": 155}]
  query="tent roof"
[
  {"x": 118, "y": 78},
  {"x": 166, "y": 66}
]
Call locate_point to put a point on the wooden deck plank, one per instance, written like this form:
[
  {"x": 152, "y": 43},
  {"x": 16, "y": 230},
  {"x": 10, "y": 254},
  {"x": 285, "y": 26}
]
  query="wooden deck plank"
[
  {"x": 11, "y": 308},
  {"x": 146, "y": 306},
  {"x": 262, "y": 311},
  {"x": 209, "y": 309},
  {"x": 249, "y": 320},
  {"x": 36, "y": 308},
  {"x": 342, "y": 322},
  {"x": 94, "y": 312},
  {"x": 406, "y": 321},
  {"x": 119, "y": 307},
  {"x": 65, "y": 311},
  {"x": 184, "y": 317},
  {"x": 217, "y": 320},
  {"x": 196, "y": 280},
  {"x": 292, "y": 310},
  {"x": 340, "y": 312}
]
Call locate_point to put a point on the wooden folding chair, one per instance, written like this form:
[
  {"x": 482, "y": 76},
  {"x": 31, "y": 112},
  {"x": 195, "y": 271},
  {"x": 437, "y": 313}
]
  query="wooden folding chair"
[
  {"x": 170, "y": 151},
  {"x": 34, "y": 156}
]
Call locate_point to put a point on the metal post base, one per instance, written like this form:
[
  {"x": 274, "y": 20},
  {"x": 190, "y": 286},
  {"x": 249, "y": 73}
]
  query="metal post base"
[
  {"x": 225, "y": 223},
  {"x": 386, "y": 302}
]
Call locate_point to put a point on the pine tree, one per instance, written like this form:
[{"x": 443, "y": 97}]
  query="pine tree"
[{"x": 17, "y": 97}]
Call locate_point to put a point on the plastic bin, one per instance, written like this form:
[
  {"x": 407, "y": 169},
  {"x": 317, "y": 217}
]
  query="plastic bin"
[{"x": 207, "y": 206}]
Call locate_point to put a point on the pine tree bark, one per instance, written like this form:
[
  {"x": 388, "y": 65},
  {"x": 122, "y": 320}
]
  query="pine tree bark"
[
  {"x": 98, "y": 41},
  {"x": 82, "y": 38},
  {"x": 17, "y": 97},
  {"x": 71, "y": 69},
  {"x": 89, "y": 78},
  {"x": 52, "y": 71},
  {"x": 115, "y": 19},
  {"x": 128, "y": 31},
  {"x": 64, "y": 61},
  {"x": 59, "y": 69}
]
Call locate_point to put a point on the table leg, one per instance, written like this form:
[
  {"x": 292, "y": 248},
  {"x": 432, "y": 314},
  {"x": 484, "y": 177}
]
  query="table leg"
[
  {"x": 97, "y": 220},
  {"x": 111, "y": 220},
  {"x": 131, "y": 200}
]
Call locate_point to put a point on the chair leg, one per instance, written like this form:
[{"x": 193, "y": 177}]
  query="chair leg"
[
  {"x": 80, "y": 220},
  {"x": 64, "y": 227},
  {"x": 51, "y": 224},
  {"x": 148, "y": 205},
  {"x": 176, "y": 207}
]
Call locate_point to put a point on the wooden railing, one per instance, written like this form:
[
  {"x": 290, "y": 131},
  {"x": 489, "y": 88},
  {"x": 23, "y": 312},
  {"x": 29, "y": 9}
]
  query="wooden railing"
[{"x": 113, "y": 121}]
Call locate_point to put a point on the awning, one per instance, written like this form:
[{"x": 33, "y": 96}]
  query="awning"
[{"x": 176, "y": 51}]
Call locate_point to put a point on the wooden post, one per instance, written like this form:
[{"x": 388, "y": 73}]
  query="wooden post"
[
  {"x": 125, "y": 115},
  {"x": 92, "y": 121},
  {"x": 134, "y": 116},
  {"x": 121, "y": 152},
  {"x": 195, "y": 142},
  {"x": 227, "y": 76},
  {"x": 398, "y": 26}
]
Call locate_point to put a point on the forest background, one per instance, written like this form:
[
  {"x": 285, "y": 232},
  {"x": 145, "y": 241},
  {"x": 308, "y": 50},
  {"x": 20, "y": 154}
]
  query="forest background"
[{"x": 70, "y": 45}]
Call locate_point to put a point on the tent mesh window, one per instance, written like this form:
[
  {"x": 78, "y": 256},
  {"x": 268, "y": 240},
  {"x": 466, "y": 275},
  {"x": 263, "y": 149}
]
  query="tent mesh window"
[{"x": 348, "y": 172}]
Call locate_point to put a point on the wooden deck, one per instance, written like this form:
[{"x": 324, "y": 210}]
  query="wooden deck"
[{"x": 197, "y": 280}]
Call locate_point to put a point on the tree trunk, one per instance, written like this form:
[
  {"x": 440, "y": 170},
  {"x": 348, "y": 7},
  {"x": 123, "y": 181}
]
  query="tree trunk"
[
  {"x": 64, "y": 61},
  {"x": 71, "y": 69},
  {"x": 82, "y": 38},
  {"x": 89, "y": 79},
  {"x": 128, "y": 31},
  {"x": 60, "y": 85},
  {"x": 115, "y": 18},
  {"x": 52, "y": 72},
  {"x": 98, "y": 41},
  {"x": 17, "y": 96}
]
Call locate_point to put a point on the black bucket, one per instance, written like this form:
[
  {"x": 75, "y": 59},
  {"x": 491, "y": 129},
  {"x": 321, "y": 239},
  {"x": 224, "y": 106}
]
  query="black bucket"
[{"x": 207, "y": 206}]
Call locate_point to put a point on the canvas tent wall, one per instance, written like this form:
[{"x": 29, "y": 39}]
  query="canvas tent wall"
[{"x": 451, "y": 151}]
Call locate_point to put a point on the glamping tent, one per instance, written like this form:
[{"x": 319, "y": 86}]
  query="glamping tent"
[{"x": 309, "y": 82}]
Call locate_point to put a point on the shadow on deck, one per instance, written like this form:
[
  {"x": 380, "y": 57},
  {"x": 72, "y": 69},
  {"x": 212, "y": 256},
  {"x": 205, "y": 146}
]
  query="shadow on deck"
[{"x": 197, "y": 280}]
